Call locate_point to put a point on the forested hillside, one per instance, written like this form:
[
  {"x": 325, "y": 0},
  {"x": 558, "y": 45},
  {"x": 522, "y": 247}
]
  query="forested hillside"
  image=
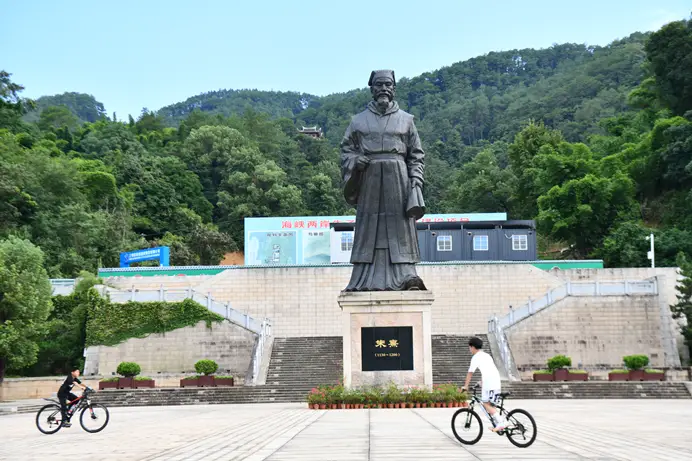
[{"x": 595, "y": 143}]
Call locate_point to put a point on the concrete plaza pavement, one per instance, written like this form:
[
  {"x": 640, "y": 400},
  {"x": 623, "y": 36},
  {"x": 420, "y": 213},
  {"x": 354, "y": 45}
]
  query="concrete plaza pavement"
[{"x": 644, "y": 430}]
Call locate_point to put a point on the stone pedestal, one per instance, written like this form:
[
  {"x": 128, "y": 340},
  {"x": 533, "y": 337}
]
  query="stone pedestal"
[{"x": 383, "y": 310}]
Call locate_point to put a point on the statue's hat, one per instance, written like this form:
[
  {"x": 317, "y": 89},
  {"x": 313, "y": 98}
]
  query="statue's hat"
[{"x": 381, "y": 73}]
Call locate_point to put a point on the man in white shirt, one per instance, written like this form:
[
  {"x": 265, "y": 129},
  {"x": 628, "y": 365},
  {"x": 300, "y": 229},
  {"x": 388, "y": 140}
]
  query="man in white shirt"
[{"x": 490, "y": 379}]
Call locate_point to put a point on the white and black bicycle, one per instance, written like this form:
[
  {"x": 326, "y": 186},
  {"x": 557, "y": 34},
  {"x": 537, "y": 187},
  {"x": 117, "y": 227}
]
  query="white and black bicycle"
[{"x": 468, "y": 428}]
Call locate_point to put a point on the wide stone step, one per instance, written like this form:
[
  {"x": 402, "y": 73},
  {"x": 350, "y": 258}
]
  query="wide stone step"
[{"x": 269, "y": 393}]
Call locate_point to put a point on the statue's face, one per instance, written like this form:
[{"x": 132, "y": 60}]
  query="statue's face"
[{"x": 382, "y": 88}]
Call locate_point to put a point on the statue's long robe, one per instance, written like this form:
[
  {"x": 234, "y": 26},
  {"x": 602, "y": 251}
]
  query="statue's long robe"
[{"x": 385, "y": 246}]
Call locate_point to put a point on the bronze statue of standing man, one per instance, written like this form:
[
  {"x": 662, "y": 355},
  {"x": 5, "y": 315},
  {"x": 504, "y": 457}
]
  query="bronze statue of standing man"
[{"x": 382, "y": 165}]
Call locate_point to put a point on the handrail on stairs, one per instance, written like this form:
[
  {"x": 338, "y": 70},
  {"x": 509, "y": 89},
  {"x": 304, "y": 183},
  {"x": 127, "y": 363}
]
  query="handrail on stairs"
[{"x": 498, "y": 326}]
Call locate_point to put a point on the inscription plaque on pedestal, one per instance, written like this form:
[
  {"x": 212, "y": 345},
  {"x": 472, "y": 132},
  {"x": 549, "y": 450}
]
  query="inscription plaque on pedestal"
[{"x": 387, "y": 348}]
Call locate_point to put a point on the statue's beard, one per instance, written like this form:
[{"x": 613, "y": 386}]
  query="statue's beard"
[{"x": 383, "y": 100}]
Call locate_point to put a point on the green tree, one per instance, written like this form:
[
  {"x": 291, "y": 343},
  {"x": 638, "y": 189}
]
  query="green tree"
[
  {"x": 481, "y": 186},
  {"x": 683, "y": 308},
  {"x": 12, "y": 106},
  {"x": 56, "y": 117},
  {"x": 522, "y": 151},
  {"x": 583, "y": 211},
  {"x": 24, "y": 302},
  {"x": 669, "y": 52}
]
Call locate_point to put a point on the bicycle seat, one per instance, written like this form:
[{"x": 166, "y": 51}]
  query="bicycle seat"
[{"x": 504, "y": 395}]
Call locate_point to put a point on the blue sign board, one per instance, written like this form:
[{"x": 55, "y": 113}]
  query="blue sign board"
[{"x": 162, "y": 254}]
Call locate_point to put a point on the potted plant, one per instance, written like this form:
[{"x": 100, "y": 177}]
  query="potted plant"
[
  {"x": 654, "y": 375},
  {"x": 578, "y": 375},
  {"x": 128, "y": 370},
  {"x": 619, "y": 375},
  {"x": 543, "y": 375},
  {"x": 223, "y": 380},
  {"x": 392, "y": 396},
  {"x": 635, "y": 364},
  {"x": 108, "y": 383},
  {"x": 559, "y": 365},
  {"x": 315, "y": 399},
  {"x": 189, "y": 381},
  {"x": 206, "y": 368},
  {"x": 461, "y": 397},
  {"x": 143, "y": 381}
]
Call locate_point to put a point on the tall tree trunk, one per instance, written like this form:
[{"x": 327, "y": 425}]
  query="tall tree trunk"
[{"x": 2, "y": 369}]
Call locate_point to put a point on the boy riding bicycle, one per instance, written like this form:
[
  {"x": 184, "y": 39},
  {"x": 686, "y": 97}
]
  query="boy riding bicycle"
[
  {"x": 65, "y": 393},
  {"x": 490, "y": 379}
]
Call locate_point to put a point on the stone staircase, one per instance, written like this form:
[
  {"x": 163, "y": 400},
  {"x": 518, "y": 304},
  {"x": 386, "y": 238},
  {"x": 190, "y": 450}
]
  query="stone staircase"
[
  {"x": 306, "y": 361},
  {"x": 272, "y": 394},
  {"x": 299, "y": 364},
  {"x": 451, "y": 358},
  {"x": 597, "y": 390}
]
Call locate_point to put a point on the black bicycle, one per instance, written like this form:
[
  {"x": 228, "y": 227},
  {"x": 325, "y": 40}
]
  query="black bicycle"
[
  {"x": 468, "y": 428},
  {"x": 93, "y": 416}
]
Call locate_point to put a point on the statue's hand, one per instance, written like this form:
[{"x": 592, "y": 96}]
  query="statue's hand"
[
  {"x": 416, "y": 182},
  {"x": 362, "y": 162}
]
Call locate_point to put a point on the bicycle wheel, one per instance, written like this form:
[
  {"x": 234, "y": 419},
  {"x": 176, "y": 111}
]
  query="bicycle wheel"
[
  {"x": 469, "y": 433},
  {"x": 49, "y": 419},
  {"x": 522, "y": 429},
  {"x": 94, "y": 418}
]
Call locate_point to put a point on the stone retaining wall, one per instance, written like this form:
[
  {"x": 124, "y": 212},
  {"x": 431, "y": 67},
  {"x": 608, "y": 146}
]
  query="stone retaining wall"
[{"x": 177, "y": 351}]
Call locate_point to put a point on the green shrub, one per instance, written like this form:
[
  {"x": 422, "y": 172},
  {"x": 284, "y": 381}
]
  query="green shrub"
[
  {"x": 110, "y": 380},
  {"x": 635, "y": 362},
  {"x": 206, "y": 367},
  {"x": 559, "y": 361},
  {"x": 128, "y": 369},
  {"x": 143, "y": 378},
  {"x": 619, "y": 372},
  {"x": 651, "y": 370},
  {"x": 542, "y": 372},
  {"x": 223, "y": 377},
  {"x": 109, "y": 324}
]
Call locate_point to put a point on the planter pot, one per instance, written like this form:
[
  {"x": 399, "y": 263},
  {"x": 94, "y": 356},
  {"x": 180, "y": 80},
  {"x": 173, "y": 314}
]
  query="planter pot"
[
  {"x": 224, "y": 381},
  {"x": 424, "y": 405},
  {"x": 636, "y": 375},
  {"x": 542, "y": 377},
  {"x": 108, "y": 385},
  {"x": 332, "y": 406},
  {"x": 561, "y": 374},
  {"x": 654, "y": 376},
  {"x": 149, "y": 383},
  {"x": 188, "y": 382},
  {"x": 323, "y": 406},
  {"x": 418, "y": 405},
  {"x": 618, "y": 376},
  {"x": 361, "y": 406},
  {"x": 316, "y": 406},
  {"x": 206, "y": 381},
  {"x": 464, "y": 404},
  {"x": 342, "y": 406},
  {"x": 577, "y": 377},
  {"x": 125, "y": 383}
]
